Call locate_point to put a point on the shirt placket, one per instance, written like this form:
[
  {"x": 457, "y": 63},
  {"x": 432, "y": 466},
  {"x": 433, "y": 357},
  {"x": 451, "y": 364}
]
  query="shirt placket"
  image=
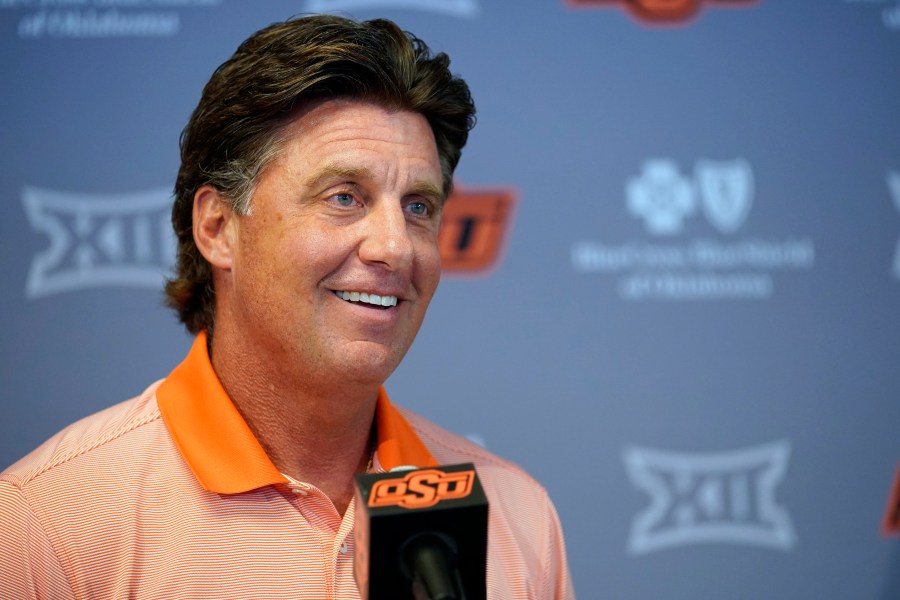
[{"x": 333, "y": 532}]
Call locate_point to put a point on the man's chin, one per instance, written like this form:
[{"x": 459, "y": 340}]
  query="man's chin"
[{"x": 370, "y": 362}]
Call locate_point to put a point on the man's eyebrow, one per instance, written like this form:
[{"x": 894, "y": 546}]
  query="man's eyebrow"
[
  {"x": 429, "y": 190},
  {"x": 329, "y": 172}
]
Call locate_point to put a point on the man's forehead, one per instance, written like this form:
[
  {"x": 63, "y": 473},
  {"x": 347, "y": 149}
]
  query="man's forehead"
[
  {"x": 312, "y": 114},
  {"x": 342, "y": 137}
]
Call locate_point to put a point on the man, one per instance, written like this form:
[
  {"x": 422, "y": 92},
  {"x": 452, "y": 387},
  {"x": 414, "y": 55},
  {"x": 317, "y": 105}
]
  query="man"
[{"x": 307, "y": 210}]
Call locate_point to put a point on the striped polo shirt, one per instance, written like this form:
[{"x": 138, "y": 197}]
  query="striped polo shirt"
[{"x": 170, "y": 495}]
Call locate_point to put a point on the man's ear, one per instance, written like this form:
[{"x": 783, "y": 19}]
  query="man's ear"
[{"x": 214, "y": 222}]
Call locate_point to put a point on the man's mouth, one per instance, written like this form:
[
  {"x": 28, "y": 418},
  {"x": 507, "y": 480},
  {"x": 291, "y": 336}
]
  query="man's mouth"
[{"x": 367, "y": 298}]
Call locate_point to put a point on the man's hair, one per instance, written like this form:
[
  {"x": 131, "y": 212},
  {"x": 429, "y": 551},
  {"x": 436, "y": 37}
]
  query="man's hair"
[{"x": 235, "y": 130}]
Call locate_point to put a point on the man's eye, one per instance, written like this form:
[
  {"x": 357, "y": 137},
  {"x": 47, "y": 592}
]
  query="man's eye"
[
  {"x": 420, "y": 209},
  {"x": 343, "y": 199}
]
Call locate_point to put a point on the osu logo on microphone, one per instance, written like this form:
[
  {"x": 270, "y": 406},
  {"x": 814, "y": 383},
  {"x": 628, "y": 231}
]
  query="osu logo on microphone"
[
  {"x": 661, "y": 11},
  {"x": 422, "y": 489},
  {"x": 474, "y": 228}
]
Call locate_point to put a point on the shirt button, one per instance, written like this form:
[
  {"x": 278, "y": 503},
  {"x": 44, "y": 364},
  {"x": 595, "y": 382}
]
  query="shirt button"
[
  {"x": 343, "y": 548},
  {"x": 300, "y": 491}
]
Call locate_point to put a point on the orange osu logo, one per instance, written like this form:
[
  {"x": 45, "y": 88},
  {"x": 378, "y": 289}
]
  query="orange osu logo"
[
  {"x": 661, "y": 11},
  {"x": 474, "y": 229},
  {"x": 421, "y": 489}
]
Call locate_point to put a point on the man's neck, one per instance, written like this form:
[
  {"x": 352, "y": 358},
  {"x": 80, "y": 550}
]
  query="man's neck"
[{"x": 318, "y": 434}]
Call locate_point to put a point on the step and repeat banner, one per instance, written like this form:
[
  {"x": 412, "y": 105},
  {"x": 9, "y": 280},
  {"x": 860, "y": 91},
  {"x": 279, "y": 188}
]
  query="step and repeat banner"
[{"x": 672, "y": 262}]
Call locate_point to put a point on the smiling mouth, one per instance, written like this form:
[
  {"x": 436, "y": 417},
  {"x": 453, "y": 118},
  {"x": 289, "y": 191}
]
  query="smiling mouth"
[{"x": 373, "y": 300}]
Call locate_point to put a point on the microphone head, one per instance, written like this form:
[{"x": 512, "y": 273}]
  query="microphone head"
[{"x": 397, "y": 510}]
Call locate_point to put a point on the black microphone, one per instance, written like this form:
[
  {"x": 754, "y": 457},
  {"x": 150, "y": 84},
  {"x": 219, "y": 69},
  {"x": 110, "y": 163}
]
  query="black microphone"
[{"x": 421, "y": 535}]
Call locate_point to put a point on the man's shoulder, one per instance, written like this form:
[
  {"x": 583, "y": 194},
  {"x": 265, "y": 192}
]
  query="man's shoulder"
[
  {"x": 526, "y": 552},
  {"x": 78, "y": 441},
  {"x": 450, "y": 448}
]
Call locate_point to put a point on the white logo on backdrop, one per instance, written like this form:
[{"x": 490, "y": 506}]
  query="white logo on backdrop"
[
  {"x": 112, "y": 240},
  {"x": 893, "y": 181},
  {"x": 102, "y": 18},
  {"x": 703, "y": 268},
  {"x": 726, "y": 190},
  {"x": 459, "y": 8},
  {"x": 717, "y": 497},
  {"x": 661, "y": 196}
]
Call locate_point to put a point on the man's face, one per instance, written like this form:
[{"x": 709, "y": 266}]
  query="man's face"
[{"x": 334, "y": 266}]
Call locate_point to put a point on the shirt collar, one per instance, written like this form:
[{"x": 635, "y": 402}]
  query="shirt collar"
[{"x": 224, "y": 454}]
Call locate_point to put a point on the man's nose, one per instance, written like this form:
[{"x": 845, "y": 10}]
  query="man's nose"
[{"x": 386, "y": 237}]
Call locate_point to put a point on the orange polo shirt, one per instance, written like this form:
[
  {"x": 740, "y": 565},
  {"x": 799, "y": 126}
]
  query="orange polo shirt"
[{"x": 170, "y": 495}]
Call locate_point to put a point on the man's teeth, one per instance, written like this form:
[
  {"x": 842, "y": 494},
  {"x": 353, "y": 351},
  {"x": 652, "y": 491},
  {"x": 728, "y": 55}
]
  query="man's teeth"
[{"x": 368, "y": 298}]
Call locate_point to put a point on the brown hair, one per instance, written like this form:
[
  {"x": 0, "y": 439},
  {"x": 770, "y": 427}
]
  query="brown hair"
[{"x": 234, "y": 131}]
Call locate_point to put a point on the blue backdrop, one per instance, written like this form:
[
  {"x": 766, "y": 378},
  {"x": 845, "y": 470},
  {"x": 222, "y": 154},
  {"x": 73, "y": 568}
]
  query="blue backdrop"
[{"x": 690, "y": 331}]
